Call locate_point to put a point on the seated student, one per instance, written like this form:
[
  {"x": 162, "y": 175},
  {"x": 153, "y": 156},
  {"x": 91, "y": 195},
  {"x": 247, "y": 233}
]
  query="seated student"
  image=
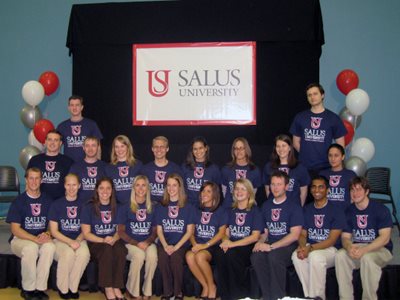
[
  {"x": 283, "y": 221},
  {"x": 319, "y": 240},
  {"x": 243, "y": 230},
  {"x": 366, "y": 242},
  {"x": 198, "y": 169},
  {"x": 99, "y": 227},
  {"x": 210, "y": 226},
  {"x": 72, "y": 252},
  {"x": 31, "y": 242},
  {"x": 175, "y": 225},
  {"x": 241, "y": 166},
  {"x": 136, "y": 227}
]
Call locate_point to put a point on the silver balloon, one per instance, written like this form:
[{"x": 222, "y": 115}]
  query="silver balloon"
[
  {"x": 357, "y": 165},
  {"x": 30, "y": 115},
  {"x": 345, "y": 114},
  {"x": 26, "y": 154}
]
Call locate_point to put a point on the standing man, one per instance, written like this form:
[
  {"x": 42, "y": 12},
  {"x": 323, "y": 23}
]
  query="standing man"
[
  {"x": 31, "y": 241},
  {"x": 314, "y": 130},
  {"x": 53, "y": 164},
  {"x": 158, "y": 170},
  {"x": 76, "y": 129},
  {"x": 283, "y": 221},
  {"x": 90, "y": 169},
  {"x": 319, "y": 240},
  {"x": 366, "y": 242}
]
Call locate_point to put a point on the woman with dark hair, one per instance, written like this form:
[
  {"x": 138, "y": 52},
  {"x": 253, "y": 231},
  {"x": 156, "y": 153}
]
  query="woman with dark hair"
[
  {"x": 338, "y": 176},
  {"x": 210, "y": 226},
  {"x": 241, "y": 166},
  {"x": 175, "y": 225},
  {"x": 99, "y": 227},
  {"x": 283, "y": 159},
  {"x": 198, "y": 169}
]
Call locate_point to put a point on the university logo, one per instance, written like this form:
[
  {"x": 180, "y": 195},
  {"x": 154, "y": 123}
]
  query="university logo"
[
  {"x": 123, "y": 171},
  {"x": 72, "y": 212},
  {"x": 92, "y": 171},
  {"x": 315, "y": 122},
  {"x": 362, "y": 221},
  {"x": 173, "y": 211},
  {"x": 76, "y": 129},
  {"x": 141, "y": 214},
  {"x": 50, "y": 165},
  {"x": 284, "y": 169},
  {"x": 106, "y": 216},
  {"x": 275, "y": 214},
  {"x": 160, "y": 176},
  {"x": 158, "y": 82},
  {"x": 319, "y": 220},
  {"x": 240, "y": 174},
  {"x": 240, "y": 218},
  {"x": 334, "y": 180},
  {"x": 198, "y": 172},
  {"x": 206, "y": 217},
  {"x": 35, "y": 209}
]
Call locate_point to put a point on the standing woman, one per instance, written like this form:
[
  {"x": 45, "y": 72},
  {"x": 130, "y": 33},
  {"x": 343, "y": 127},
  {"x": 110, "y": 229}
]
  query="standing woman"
[
  {"x": 210, "y": 226},
  {"x": 241, "y": 166},
  {"x": 198, "y": 169},
  {"x": 283, "y": 159},
  {"x": 137, "y": 229},
  {"x": 243, "y": 231},
  {"x": 72, "y": 252},
  {"x": 99, "y": 227},
  {"x": 338, "y": 176},
  {"x": 175, "y": 225},
  {"x": 123, "y": 168}
]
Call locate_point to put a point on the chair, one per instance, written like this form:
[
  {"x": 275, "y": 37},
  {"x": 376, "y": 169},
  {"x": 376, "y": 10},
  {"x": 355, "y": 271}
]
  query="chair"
[
  {"x": 379, "y": 180},
  {"x": 9, "y": 182}
]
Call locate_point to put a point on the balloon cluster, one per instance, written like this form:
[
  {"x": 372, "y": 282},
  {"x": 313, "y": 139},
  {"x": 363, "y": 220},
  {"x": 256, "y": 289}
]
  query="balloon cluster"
[
  {"x": 33, "y": 93},
  {"x": 357, "y": 101}
]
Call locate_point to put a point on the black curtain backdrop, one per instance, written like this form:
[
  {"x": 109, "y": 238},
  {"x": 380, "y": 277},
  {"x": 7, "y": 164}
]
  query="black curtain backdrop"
[{"x": 289, "y": 36}]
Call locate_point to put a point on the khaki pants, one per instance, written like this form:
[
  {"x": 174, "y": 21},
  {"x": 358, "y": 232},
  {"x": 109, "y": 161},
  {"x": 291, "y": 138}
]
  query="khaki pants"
[
  {"x": 34, "y": 271},
  {"x": 138, "y": 257},
  {"x": 370, "y": 266},
  {"x": 71, "y": 265}
]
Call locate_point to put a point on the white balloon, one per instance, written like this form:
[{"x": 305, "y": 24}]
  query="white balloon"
[
  {"x": 357, "y": 101},
  {"x": 32, "y": 140},
  {"x": 363, "y": 148},
  {"x": 33, "y": 92}
]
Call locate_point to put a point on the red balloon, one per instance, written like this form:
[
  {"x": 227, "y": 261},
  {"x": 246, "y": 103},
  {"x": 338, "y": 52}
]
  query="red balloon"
[
  {"x": 350, "y": 132},
  {"x": 41, "y": 128},
  {"x": 50, "y": 82},
  {"x": 347, "y": 80}
]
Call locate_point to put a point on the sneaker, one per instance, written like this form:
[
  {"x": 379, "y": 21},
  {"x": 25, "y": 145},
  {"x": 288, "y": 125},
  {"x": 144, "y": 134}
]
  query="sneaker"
[
  {"x": 41, "y": 295},
  {"x": 64, "y": 296},
  {"x": 73, "y": 295}
]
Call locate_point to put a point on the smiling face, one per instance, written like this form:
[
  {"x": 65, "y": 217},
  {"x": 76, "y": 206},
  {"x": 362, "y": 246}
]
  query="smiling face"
[
  {"x": 335, "y": 158},
  {"x": 282, "y": 149},
  {"x": 90, "y": 147},
  {"x": 53, "y": 143},
  {"x": 160, "y": 149},
  {"x": 140, "y": 189},
  {"x": 240, "y": 193},
  {"x": 358, "y": 194},
  {"x": 121, "y": 150},
  {"x": 104, "y": 191},
  {"x": 75, "y": 108},
  {"x": 199, "y": 151},
  {"x": 239, "y": 151},
  {"x": 278, "y": 187},
  {"x": 207, "y": 196},
  {"x": 319, "y": 190},
  {"x": 71, "y": 186},
  {"x": 32, "y": 181},
  {"x": 173, "y": 189}
]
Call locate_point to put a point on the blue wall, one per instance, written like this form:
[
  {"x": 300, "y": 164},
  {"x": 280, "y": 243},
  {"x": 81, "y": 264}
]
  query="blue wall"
[{"x": 363, "y": 35}]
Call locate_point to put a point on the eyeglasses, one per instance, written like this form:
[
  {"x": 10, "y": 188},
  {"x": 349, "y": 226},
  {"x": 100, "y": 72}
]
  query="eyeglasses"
[{"x": 239, "y": 148}]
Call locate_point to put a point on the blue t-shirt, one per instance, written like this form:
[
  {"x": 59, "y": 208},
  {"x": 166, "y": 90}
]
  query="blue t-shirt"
[
  {"x": 103, "y": 225},
  {"x": 30, "y": 213},
  {"x": 174, "y": 220},
  {"x": 88, "y": 173},
  {"x": 208, "y": 223},
  {"x": 230, "y": 175},
  {"x": 316, "y": 132},
  {"x": 339, "y": 191},
  {"x": 280, "y": 218},
  {"x": 158, "y": 176},
  {"x": 74, "y": 133},
  {"x": 54, "y": 169},
  {"x": 194, "y": 179},
  {"x": 242, "y": 222},
  {"x": 123, "y": 176},
  {"x": 320, "y": 221},
  {"x": 138, "y": 225},
  {"x": 364, "y": 225},
  {"x": 68, "y": 216}
]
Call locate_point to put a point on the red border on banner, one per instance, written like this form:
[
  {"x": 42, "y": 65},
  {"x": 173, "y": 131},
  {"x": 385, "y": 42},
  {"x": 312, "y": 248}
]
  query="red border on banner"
[{"x": 137, "y": 122}]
